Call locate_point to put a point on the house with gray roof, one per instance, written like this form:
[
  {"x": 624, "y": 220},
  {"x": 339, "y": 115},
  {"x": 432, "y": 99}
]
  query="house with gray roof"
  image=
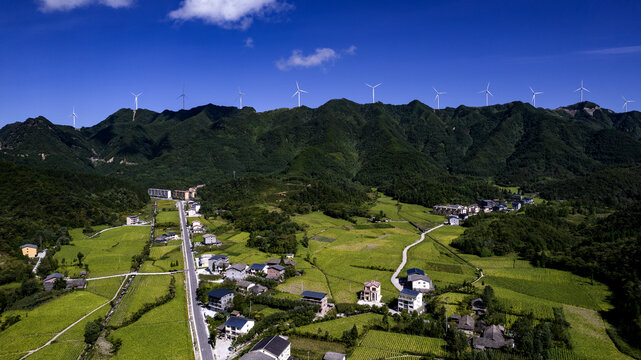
[
  {"x": 420, "y": 282},
  {"x": 272, "y": 348},
  {"x": 220, "y": 299},
  {"x": 492, "y": 338},
  {"x": 218, "y": 263},
  {"x": 236, "y": 271},
  {"x": 410, "y": 300},
  {"x": 317, "y": 298},
  {"x": 236, "y": 326},
  {"x": 466, "y": 324}
]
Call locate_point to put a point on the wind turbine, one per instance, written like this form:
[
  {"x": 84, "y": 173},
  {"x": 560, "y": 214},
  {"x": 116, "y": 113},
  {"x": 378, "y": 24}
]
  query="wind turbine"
[
  {"x": 625, "y": 103},
  {"x": 74, "y": 116},
  {"x": 373, "y": 87},
  {"x": 438, "y": 97},
  {"x": 298, "y": 91},
  {"x": 182, "y": 96},
  {"x": 136, "y": 102},
  {"x": 240, "y": 95},
  {"x": 534, "y": 94},
  {"x": 486, "y": 92},
  {"x": 581, "y": 89}
]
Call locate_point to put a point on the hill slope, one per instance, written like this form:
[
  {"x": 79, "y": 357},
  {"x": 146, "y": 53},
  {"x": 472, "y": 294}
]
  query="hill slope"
[{"x": 374, "y": 143}]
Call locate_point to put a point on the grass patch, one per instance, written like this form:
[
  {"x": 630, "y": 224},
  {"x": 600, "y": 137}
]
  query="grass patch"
[
  {"x": 316, "y": 348},
  {"x": 403, "y": 344},
  {"x": 106, "y": 254},
  {"x": 143, "y": 289},
  {"x": 161, "y": 258},
  {"x": 105, "y": 287},
  {"x": 338, "y": 326},
  {"x": 588, "y": 335},
  {"x": 39, "y": 325},
  {"x": 162, "y": 333}
]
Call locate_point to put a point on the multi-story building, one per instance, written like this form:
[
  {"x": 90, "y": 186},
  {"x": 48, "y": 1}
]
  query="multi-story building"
[
  {"x": 220, "y": 299},
  {"x": 236, "y": 326},
  {"x": 159, "y": 193},
  {"x": 132, "y": 220},
  {"x": 271, "y": 348},
  {"x": 29, "y": 250},
  {"x": 317, "y": 298},
  {"x": 372, "y": 291},
  {"x": 410, "y": 300}
]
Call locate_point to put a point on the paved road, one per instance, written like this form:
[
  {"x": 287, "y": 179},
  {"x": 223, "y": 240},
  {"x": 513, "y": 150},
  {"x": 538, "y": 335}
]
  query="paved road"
[
  {"x": 197, "y": 320},
  {"x": 402, "y": 265}
]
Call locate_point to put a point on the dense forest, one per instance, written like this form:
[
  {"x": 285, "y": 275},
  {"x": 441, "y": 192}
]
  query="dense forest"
[{"x": 607, "y": 249}]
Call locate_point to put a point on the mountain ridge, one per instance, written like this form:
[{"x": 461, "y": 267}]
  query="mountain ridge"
[{"x": 511, "y": 143}]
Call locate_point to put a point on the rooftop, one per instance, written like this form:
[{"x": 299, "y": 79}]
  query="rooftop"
[
  {"x": 417, "y": 277},
  {"x": 415, "y": 271},
  {"x": 258, "y": 266},
  {"x": 219, "y": 293},
  {"x": 275, "y": 345},
  {"x": 313, "y": 295},
  {"x": 54, "y": 276},
  {"x": 237, "y": 321},
  {"x": 330, "y": 355},
  {"x": 373, "y": 283},
  {"x": 410, "y": 292},
  {"x": 29, "y": 245}
]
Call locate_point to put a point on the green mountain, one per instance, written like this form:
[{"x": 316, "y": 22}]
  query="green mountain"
[{"x": 513, "y": 143}]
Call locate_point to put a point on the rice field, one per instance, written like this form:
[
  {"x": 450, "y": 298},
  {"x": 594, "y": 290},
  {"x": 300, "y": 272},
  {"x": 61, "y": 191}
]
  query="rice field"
[
  {"x": 402, "y": 343},
  {"x": 143, "y": 289},
  {"x": 161, "y": 258}
]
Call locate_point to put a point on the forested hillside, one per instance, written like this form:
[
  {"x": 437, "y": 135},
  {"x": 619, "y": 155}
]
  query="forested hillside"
[
  {"x": 607, "y": 249},
  {"x": 38, "y": 206},
  {"x": 375, "y": 144}
]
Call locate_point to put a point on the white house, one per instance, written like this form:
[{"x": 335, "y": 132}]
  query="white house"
[
  {"x": 237, "y": 326},
  {"x": 410, "y": 300},
  {"x": 210, "y": 239},
  {"x": 218, "y": 263},
  {"x": 274, "y": 347},
  {"x": 132, "y": 220},
  {"x": 420, "y": 282},
  {"x": 236, "y": 271},
  {"x": 453, "y": 220}
]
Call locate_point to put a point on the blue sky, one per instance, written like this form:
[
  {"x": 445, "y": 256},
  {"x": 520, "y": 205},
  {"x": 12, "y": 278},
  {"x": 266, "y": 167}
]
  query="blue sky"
[{"x": 57, "y": 54}]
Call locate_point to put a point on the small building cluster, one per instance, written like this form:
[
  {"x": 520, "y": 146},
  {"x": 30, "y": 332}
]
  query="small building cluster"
[
  {"x": 482, "y": 336},
  {"x": 197, "y": 227},
  {"x": 70, "y": 284},
  {"x": 193, "y": 208},
  {"x": 458, "y": 213},
  {"x": 415, "y": 285},
  {"x": 187, "y": 195}
]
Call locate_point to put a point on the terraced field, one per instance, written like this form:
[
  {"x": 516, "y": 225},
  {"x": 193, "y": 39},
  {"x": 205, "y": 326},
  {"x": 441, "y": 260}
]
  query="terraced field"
[
  {"x": 379, "y": 344},
  {"x": 143, "y": 289}
]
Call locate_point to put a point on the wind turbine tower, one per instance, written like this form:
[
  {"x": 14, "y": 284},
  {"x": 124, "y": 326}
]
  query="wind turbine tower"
[
  {"x": 373, "y": 87},
  {"x": 581, "y": 89},
  {"x": 182, "y": 96},
  {"x": 240, "y": 95},
  {"x": 438, "y": 98},
  {"x": 136, "y": 104},
  {"x": 298, "y": 92},
  {"x": 625, "y": 103},
  {"x": 534, "y": 94},
  {"x": 74, "y": 116},
  {"x": 486, "y": 92}
]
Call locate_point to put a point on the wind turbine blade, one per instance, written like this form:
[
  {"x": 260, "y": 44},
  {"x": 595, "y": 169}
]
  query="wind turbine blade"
[
  {"x": 531, "y": 90},
  {"x": 368, "y": 84},
  {"x": 379, "y": 84},
  {"x": 303, "y": 91},
  {"x": 296, "y": 93},
  {"x": 489, "y": 92},
  {"x": 586, "y": 90},
  {"x": 436, "y": 91},
  {"x": 436, "y": 97},
  {"x": 297, "y": 88}
]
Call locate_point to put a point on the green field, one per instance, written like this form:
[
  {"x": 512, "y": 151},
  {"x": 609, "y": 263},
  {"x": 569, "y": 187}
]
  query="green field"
[
  {"x": 588, "y": 336},
  {"x": 106, "y": 254},
  {"x": 105, "y": 287},
  {"x": 39, "y": 325},
  {"x": 316, "y": 348},
  {"x": 161, "y": 257},
  {"x": 143, "y": 289},
  {"x": 162, "y": 333},
  {"x": 338, "y": 326},
  {"x": 387, "y": 342},
  {"x": 168, "y": 217}
]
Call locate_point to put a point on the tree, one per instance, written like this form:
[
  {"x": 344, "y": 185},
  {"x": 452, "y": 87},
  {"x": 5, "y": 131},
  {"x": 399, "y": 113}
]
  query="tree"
[
  {"x": 29, "y": 287},
  {"x": 80, "y": 256},
  {"x": 92, "y": 331},
  {"x": 59, "y": 284},
  {"x": 488, "y": 296},
  {"x": 456, "y": 342}
]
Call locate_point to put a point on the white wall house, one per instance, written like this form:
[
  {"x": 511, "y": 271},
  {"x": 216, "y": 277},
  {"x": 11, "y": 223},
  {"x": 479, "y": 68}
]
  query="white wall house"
[{"x": 410, "y": 300}]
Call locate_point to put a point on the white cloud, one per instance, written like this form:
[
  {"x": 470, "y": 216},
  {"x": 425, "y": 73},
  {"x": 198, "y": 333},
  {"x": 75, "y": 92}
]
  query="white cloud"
[
  {"x": 249, "y": 42},
  {"x": 64, "y": 5},
  {"x": 615, "y": 50},
  {"x": 227, "y": 13},
  {"x": 318, "y": 58}
]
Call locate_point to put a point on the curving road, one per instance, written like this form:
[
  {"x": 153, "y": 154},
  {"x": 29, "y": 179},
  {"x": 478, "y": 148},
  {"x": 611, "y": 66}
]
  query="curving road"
[{"x": 402, "y": 265}]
